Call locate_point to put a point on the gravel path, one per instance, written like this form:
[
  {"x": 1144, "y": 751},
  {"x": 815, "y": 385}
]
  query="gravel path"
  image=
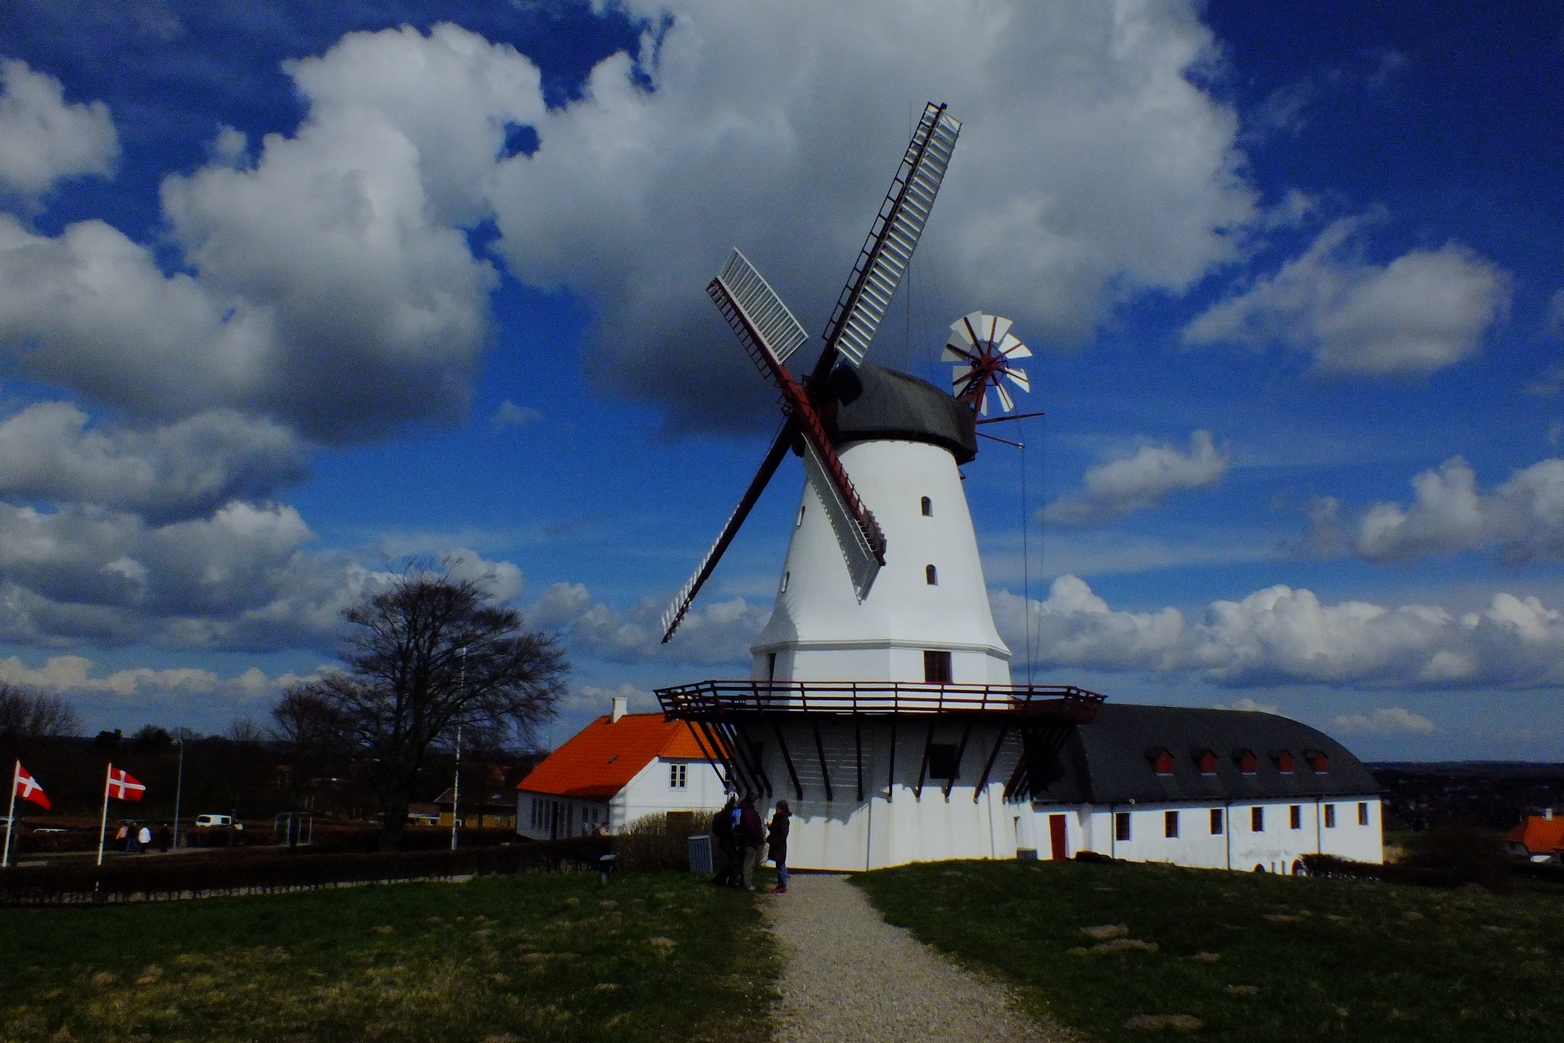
[{"x": 852, "y": 978}]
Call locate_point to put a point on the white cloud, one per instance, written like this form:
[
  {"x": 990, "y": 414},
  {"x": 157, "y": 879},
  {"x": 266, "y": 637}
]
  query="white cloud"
[
  {"x": 1424, "y": 311},
  {"x": 43, "y": 139},
  {"x": 77, "y": 675},
  {"x": 1282, "y": 635},
  {"x": 509, "y": 414},
  {"x": 1140, "y": 481},
  {"x": 716, "y": 632},
  {"x": 600, "y": 700},
  {"x": 191, "y": 467},
  {"x": 1089, "y": 167},
  {"x": 1249, "y": 705},
  {"x": 1387, "y": 721},
  {"x": 1520, "y": 520}
]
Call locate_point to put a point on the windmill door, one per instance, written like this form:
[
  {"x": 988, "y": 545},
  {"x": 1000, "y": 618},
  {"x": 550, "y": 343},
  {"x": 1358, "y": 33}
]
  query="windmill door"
[{"x": 1056, "y": 838}]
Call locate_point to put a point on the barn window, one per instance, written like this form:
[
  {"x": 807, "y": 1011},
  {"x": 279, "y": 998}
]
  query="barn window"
[
  {"x": 1170, "y": 823},
  {"x": 1284, "y": 762},
  {"x": 1162, "y": 761},
  {"x": 936, "y": 667},
  {"x": 1363, "y": 814},
  {"x": 1121, "y": 825},
  {"x": 1295, "y": 817},
  {"x": 1256, "y": 820},
  {"x": 942, "y": 761},
  {"x": 928, "y": 507},
  {"x": 931, "y": 575},
  {"x": 676, "y": 776},
  {"x": 1330, "y": 816},
  {"x": 1248, "y": 763},
  {"x": 1216, "y": 822},
  {"x": 1318, "y": 761},
  {"x": 1207, "y": 761}
]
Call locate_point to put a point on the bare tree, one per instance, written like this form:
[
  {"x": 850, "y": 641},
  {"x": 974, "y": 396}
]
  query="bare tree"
[
  {"x": 422, "y": 657},
  {"x": 26, "y": 713}
]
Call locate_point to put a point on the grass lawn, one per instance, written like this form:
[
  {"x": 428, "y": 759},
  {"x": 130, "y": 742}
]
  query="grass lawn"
[
  {"x": 497, "y": 959},
  {"x": 1252, "y": 956}
]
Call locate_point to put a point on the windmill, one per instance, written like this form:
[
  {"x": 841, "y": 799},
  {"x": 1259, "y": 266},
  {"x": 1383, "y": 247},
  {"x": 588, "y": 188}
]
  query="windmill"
[
  {"x": 875, "y": 682},
  {"x": 771, "y": 335}
]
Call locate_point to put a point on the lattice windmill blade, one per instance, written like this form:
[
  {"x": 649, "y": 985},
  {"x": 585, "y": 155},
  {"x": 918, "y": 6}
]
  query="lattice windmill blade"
[
  {"x": 983, "y": 347},
  {"x": 892, "y": 238},
  {"x": 773, "y": 325},
  {"x": 863, "y": 560},
  {"x": 674, "y": 614}
]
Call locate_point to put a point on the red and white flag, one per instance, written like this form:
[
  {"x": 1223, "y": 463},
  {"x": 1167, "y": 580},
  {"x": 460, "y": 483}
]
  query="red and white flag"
[
  {"x": 28, "y": 789},
  {"x": 123, "y": 785}
]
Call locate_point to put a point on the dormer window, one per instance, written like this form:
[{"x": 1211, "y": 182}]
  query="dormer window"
[
  {"x": 1318, "y": 761},
  {"x": 1247, "y": 762},
  {"x": 928, "y": 507},
  {"x": 1162, "y": 762},
  {"x": 931, "y": 575},
  {"x": 1207, "y": 761},
  {"x": 1284, "y": 762}
]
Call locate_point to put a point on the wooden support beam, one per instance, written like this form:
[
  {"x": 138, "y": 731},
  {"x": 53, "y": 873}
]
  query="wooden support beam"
[
  {"x": 858, "y": 752},
  {"x": 988, "y": 765},
  {"x": 787, "y": 758},
  {"x": 961, "y": 750},
  {"x": 825, "y": 775},
  {"x": 923, "y": 769}
]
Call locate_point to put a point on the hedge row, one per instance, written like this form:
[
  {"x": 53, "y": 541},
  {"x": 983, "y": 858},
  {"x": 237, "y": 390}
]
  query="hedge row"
[
  {"x": 190, "y": 876},
  {"x": 1332, "y": 867}
]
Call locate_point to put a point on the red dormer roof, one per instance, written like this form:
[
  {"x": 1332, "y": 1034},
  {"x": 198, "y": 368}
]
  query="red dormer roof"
[
  {"x": 1542, "y": 836},
  {"x": 604, "y": 756}
]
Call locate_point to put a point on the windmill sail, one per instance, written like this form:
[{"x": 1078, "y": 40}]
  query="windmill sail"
[
  {"x": 892, "y": 238},
  {"x": 769, "y": 321},
  {"x": 863, "y": 564}
]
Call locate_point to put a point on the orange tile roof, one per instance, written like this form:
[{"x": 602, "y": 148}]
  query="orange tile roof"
[
  {"x": 1542, "y": 836},
  {"x": 604, "y": 756}
]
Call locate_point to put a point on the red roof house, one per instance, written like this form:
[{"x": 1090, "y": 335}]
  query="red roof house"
[
  {"x": 1539, "y": 838},
  {"x": 621, "y": 767}
]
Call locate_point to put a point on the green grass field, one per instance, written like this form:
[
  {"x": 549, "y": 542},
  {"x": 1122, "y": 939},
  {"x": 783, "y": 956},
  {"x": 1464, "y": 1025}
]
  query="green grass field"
[
  {"x": 1252, "y": 956},
  {"x": 532, "y": 957}
]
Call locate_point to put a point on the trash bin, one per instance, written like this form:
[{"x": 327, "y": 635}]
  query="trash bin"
[
  {"x": 605, "y": 866},
  {"x": 700, "y": 854}
]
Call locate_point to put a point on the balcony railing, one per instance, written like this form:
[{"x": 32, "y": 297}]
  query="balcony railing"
[{"x": 710, "y": 700}]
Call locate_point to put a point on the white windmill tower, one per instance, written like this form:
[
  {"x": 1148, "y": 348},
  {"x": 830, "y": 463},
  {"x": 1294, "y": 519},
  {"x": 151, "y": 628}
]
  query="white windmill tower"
[{"x": 881, "y": 660}]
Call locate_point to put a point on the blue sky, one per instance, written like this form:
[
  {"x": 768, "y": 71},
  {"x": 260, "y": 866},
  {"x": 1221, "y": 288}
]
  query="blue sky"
[{"x": 285, "y": 298}]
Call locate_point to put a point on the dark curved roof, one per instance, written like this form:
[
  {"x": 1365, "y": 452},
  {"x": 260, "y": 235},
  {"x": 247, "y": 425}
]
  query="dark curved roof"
[
  {"x": 1113, "y": 760},
  {"x": 872, "y": 402}
]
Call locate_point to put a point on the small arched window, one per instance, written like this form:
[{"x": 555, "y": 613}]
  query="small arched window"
[
  {"x": 928, "y": 507},
  {"x": 800, "y": 515},
  {"x": 786, "y": 576},
  {"x": 1162, "y": 762},
  {"x": 931, "y": 575}
]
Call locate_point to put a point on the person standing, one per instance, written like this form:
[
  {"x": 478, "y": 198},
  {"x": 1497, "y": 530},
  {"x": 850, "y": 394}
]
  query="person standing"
[
  {"x": 776, "y": 842},
  {"x": 722, "y": 832},
  {"x": 752, "y": 834},
  {"x": 143, "y": 838},
  {"x": 163, "y": 838}
]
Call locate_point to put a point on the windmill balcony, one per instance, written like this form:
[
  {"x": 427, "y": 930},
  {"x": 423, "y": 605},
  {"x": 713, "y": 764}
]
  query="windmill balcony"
[{"x": 718, "y": 700}]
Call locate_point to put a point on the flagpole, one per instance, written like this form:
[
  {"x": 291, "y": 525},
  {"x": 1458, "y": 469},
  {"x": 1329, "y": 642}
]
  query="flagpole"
[
  {"x": 103, "y": 826},
  {"x": 10, "y": 816}
]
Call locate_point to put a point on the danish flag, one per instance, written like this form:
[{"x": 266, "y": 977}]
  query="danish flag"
[
  {"x": 123, "y": 785},
  {"x": 28, "y": 789}
]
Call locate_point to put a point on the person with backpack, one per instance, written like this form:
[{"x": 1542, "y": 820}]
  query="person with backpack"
[
  {"x": 724, "y": 835},
  {"x": 752, "y": 837}
]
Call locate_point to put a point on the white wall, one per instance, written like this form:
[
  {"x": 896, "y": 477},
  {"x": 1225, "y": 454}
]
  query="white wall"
[
  {"x": 649, "y": 792},
  {"x": 569, "y": 817},
  {"x": 1275, "y": 847}
]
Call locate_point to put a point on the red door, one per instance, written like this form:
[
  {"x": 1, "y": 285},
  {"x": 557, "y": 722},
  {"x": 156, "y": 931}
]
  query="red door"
[{"x": 1056, "y": 838}]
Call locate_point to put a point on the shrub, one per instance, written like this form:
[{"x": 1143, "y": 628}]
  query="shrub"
[{"x": 656, "y": 843}]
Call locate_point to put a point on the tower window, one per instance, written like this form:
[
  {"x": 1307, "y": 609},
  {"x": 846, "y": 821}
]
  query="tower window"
[
  {"x": 936, "y": 667},
  {"x": 800, "y": 515},
  {"x": 785, "y": 577},
  {"x": 931, "y": 575},
  {"x": 928, "y": 507},
  {"x": 943, "y": 763}
]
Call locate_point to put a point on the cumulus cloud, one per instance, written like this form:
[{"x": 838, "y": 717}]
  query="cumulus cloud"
[
  {"x": 509, "y": 414},
  {"x": 1249, "y": 705},
  {"x": 77, "y": 675},
  {"x": 717, "y": 632},
  {"x": 600, "y": 700},
  {"x": 1282, "y": 635},
  {"x": 1089, "y": 166},
  {"x": 1520, "y": 520},
  {"x": 1424, "y": 311},
  {"x": 1140, "y": 481},
  {"x": 43, "y": 139},
  {"x": 1387, "y": 721},
  {"x": 50, "y": 451}
]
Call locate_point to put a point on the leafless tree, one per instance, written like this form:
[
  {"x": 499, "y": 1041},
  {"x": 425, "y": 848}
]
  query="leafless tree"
[
  {"x": 26, "y": 713},
  {"x": 420, "y": 658}
]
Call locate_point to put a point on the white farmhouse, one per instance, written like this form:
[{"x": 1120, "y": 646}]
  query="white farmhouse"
[
  {"x": 1222, "y": 789},
  {"x": 621, "y": 767}
]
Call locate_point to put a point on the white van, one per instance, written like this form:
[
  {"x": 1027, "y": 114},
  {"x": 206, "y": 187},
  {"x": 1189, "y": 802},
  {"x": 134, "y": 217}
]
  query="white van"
[{"x": 213, "y": 821}]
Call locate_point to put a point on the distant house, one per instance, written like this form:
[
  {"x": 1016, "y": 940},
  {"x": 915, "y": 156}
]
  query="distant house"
[
  {"x": 420, "y": 813},
  {"x": 621, "y": 767},
  {"x": 1539, "y": 839},
  {"x": 478, "y": 809},
  {"x": 1222, "y": 789}
]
